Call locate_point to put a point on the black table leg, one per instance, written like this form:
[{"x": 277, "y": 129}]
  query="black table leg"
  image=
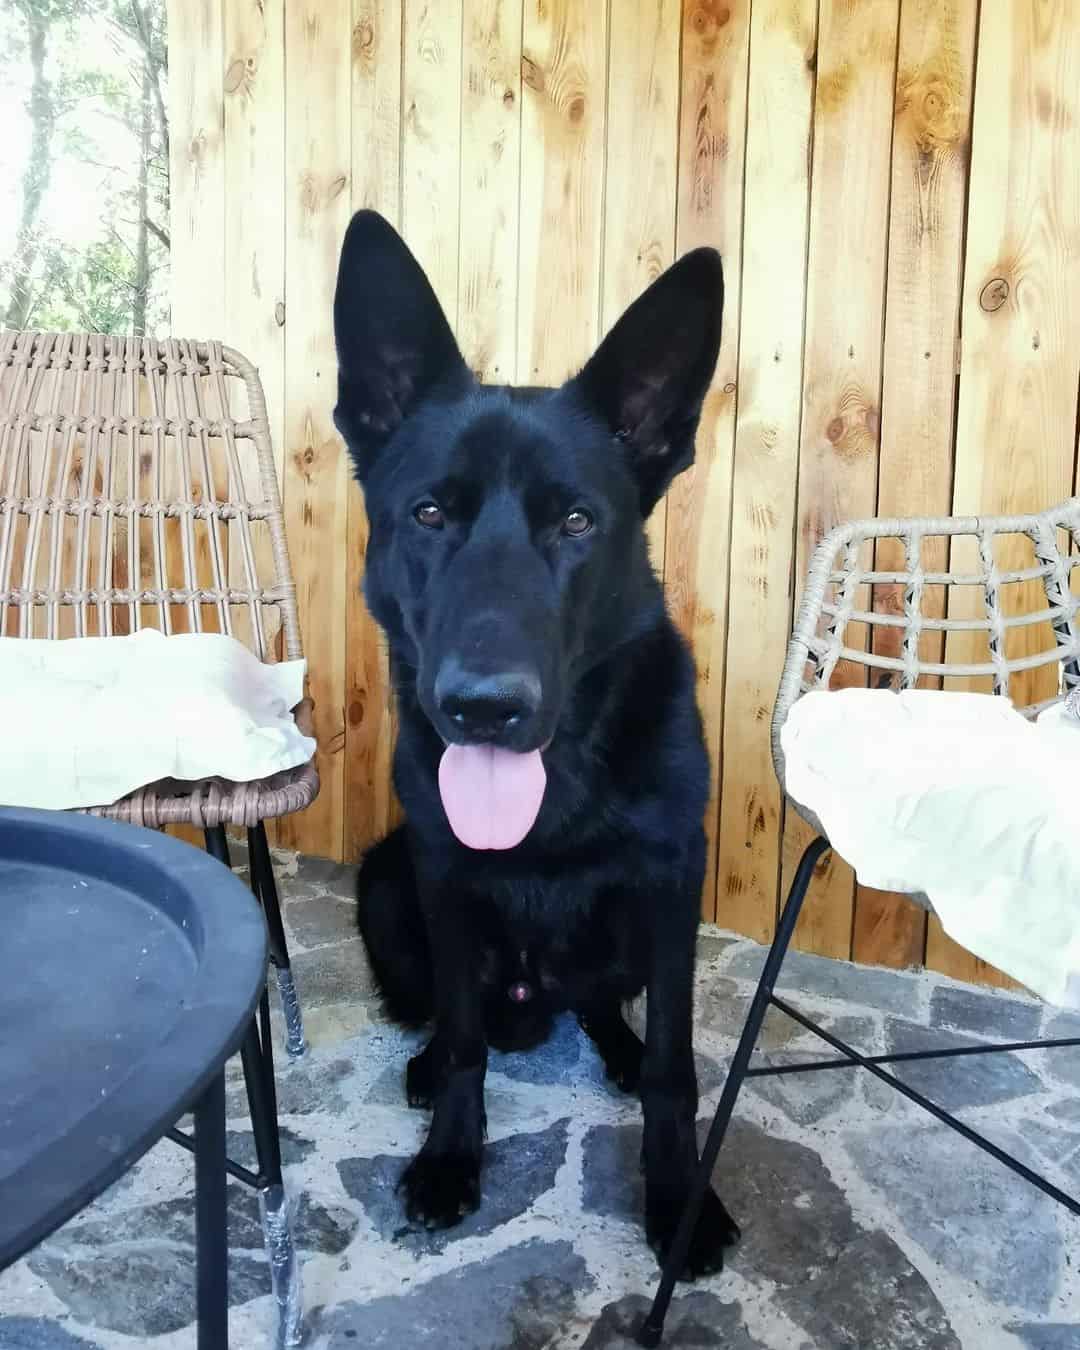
[{"x": 211, "y": 1239}]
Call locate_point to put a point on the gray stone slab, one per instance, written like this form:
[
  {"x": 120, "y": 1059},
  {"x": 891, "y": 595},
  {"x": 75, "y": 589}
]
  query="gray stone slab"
[
  {"x": 240, "y": 1146},
  {"x": 318, "y": 1227},
  {"x": 1063, "y": 1025},
  {"x": 992, "y": 1016},
  {"x": 39, "y": 1333},
  {"x": 339, "y": 878},
  {"x": 321, "y": 921},
  {"x": 1063, "y": 1064},
  {"x": 868, "y": 986},
  {"x": 699, "y": 1320},
  {"x": 568, "y": 1058},
  {"x": 721, "y": 1005},
  {"x": 711, "y": 944},
  {"x": 1058, "y": 1145},
  {"x": 517, "y": 1170},
  {"x": 518, "y": 1299},
  {"x": 871, "y": 1299},
  {"x": 1047, "y": 1335},
  {"x": 312, "y": 1084},
  {"x": 846, "y": 1286},
  {"x": 979, "y": 1220},
  {"x": 973, "y": 1080},
  {"x": 338, "y": 974},
  {"x": 142, "y": 1291},
  {"x": 808, "y": 1098}
]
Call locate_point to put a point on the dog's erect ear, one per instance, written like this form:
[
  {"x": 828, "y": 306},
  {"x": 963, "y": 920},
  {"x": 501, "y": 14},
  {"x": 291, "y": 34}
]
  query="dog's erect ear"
[
  {"x": 649, "y": 376},
  {"x": 394, "y": 344}
]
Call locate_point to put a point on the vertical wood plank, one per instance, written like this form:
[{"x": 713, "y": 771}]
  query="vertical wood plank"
[
  {"x": 431, "y": 142},
  {"x": 317, "y": 169},
  {"x": 1020, "y": 350},
  {"x": 838, "y": 449},
  {"x": 197, "y": 196},
  {"x": 640, "y": 173},
  {"x": 564, "y": 116},
  {"x": 196, "y": 168},
  {"x": 254, "y": 89},
  {"x": 931, "y": 140},
  {"x": 712, "y": 142},
  {"x": 376, "y": 183},
  {"x": 490, "y": 173},
  {"x": 770, "y": 360}
]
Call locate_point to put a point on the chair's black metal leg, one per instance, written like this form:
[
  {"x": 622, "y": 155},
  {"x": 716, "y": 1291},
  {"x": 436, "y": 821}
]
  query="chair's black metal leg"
[
  {"x": 211, "y": 1240},
  {"x": 217, "y": 845},
  {"x": 652, "y": 1329},
  {"x": 265, "y": 887},
  {"x": 273, "y": 1202}
]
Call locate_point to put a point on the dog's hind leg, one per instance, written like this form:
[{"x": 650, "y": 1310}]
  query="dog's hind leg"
[
  {"x": 620, "y": 1049},
  {"x": 395, "y": 936}
]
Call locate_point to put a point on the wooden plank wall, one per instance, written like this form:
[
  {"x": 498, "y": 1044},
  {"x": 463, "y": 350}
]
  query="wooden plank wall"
[{"x": 868, "y": 169}]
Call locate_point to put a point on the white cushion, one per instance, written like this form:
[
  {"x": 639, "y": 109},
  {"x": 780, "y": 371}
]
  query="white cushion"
[
  {"x": 88, "y": 720},
  {"x": 958, "y": 797}
]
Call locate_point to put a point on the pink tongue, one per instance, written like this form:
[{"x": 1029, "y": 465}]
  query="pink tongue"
[{"x": 491, "y": 796}]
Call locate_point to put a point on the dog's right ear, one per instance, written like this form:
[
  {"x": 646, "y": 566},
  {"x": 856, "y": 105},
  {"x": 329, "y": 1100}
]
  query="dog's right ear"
[{"x": 394, "y": 344}]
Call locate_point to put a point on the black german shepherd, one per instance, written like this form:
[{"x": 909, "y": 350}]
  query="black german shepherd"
[{"x": 550, "y": 757}]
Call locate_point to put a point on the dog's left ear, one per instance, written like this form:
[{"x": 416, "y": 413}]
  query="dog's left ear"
[
  {"x": 394, "y": 344},
  {"x": 649, "y": 376}
]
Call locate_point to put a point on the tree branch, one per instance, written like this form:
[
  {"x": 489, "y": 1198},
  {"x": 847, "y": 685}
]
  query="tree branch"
[{"x": 162, "y": 236}]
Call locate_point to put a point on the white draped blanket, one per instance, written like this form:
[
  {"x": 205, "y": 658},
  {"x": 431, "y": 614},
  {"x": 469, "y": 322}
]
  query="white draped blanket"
[
  {"x": 88, "y": 720},
  {"x": 959, "y": 798}
]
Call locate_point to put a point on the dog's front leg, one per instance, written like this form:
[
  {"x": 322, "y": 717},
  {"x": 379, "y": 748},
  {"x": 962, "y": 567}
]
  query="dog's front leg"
[
  {"x": 442, "y": 1183},
  {"x": 669, "y": 1098}
]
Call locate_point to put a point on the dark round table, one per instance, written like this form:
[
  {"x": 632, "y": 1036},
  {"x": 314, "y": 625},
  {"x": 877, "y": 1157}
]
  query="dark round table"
[{"x": 132, "y": 965}]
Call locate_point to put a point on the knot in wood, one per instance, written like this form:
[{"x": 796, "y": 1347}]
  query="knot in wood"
[{"x": 994, "y": 294}]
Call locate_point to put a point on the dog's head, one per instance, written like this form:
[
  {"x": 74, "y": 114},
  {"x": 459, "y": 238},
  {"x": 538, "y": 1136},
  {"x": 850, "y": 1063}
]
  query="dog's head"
[{"x": 507, "y": 550}]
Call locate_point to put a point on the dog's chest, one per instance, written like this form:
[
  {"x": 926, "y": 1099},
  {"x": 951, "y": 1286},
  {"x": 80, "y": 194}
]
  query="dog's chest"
[{"x": 561, "y": 940}]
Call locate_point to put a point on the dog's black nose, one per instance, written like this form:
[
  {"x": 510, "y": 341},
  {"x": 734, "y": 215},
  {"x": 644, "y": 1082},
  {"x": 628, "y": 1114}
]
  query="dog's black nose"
[{"x": 486, "y": 707}]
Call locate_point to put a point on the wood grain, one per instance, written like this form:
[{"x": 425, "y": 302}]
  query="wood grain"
[
  {"x": 712, "y": 144},
  {"x": 431, "y": 143},
  {"x": 197, "y": 208},
  {"x": 490, "y": 174},
  {"x": 376, "y": 183},
  {"x": 564, "y": 65},
  {"x": 770, "y": 361},
  {"x": 838, "y": 450},
  {"x": 254, "y": 85},
  {"x": 197, "y": 168},
  {"x": 317, "y": 169},
  {"x": 640, "y": 168},
  {"x": 931, "y": 141},
  {"x": 1016, "y": 427}
]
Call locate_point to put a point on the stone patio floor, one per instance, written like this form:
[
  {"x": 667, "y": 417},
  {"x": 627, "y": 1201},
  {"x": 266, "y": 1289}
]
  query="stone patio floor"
[{"x": 865, "y": 1225}]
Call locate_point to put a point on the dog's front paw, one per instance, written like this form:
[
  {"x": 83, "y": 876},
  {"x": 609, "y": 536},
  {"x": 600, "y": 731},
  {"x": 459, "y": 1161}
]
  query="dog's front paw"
[
  {"x": 440, "y": 1188},
  {"x": 715, "y": 1230}
]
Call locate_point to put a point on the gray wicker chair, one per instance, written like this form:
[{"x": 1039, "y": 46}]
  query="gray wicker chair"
[
  {"x": 1001, "y": 614},
  {"x": 138, "y": 489}
]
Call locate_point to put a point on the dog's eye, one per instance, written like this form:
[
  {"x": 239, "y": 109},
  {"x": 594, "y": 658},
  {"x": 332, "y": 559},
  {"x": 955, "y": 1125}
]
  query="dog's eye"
[
  {"x": 577, "y": 522},
  {"x": 429, "y": 515}
]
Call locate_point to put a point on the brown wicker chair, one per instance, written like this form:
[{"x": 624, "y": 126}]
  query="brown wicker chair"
[
  {"x": 989, "y": 600},
  {"x": 138, "y": 489}
]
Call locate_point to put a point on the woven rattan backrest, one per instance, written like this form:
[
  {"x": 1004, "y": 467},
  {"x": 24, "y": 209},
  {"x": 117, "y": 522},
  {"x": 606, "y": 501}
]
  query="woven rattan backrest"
[
  {"x": 987, "y": 603},
  {"x": 138, "y": 489}
]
